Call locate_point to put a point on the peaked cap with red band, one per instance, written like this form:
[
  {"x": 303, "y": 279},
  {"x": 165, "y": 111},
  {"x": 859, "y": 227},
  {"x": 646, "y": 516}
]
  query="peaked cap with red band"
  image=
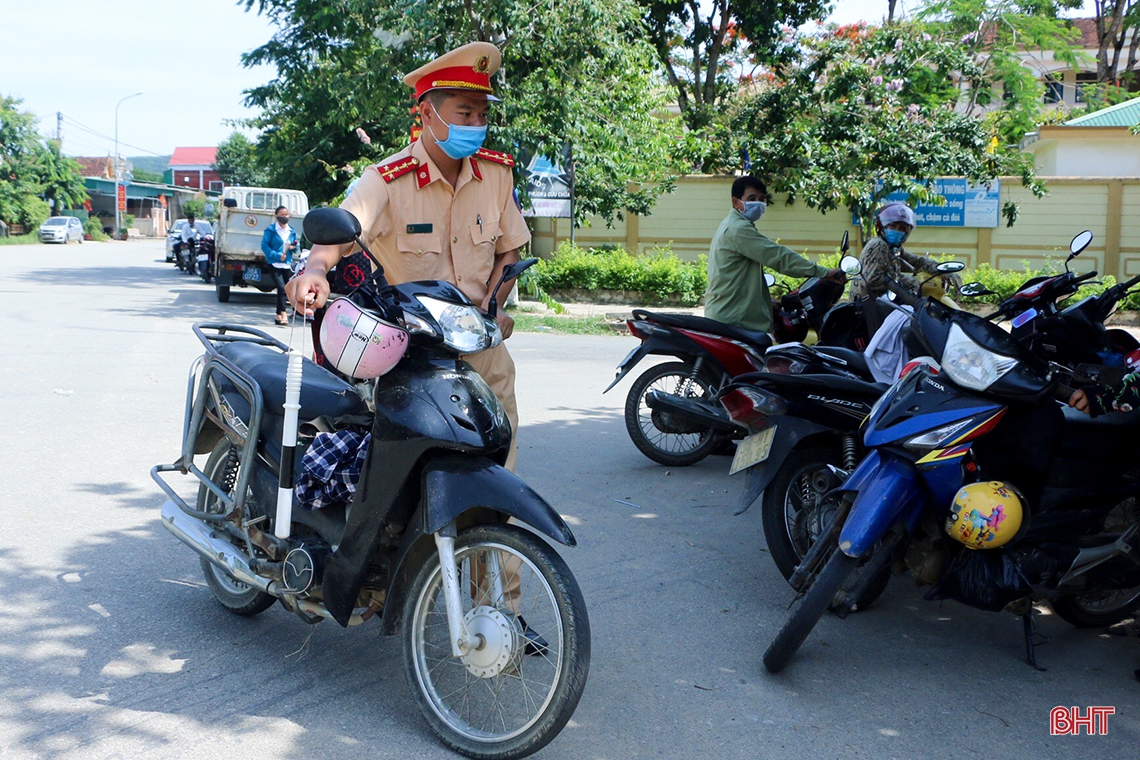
[{"x": 468, "y": 68}]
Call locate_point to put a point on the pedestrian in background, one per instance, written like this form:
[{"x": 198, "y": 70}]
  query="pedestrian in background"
[{"x": 277, "y": 245}]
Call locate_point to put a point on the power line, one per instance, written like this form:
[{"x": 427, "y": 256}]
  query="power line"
[{"x": 72, "y": 122}]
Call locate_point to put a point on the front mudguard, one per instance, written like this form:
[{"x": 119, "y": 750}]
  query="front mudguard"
[
  {"x": 888, "y": 491},
  {"x": 789, "y": 432},
  {"x": 453, "y": 486}
]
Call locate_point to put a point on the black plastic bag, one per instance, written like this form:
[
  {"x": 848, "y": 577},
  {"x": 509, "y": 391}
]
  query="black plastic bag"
[{"x": 986, "y": 579}]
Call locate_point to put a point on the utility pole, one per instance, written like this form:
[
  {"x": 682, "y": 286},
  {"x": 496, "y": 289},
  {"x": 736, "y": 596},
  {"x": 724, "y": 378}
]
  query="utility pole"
[
  {"x": 117, "y": 165},
  {"x": 59, "y": 129}
]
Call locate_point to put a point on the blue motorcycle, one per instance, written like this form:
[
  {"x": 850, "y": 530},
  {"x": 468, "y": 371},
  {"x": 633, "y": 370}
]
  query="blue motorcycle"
[{"x": 984, "y": 488}]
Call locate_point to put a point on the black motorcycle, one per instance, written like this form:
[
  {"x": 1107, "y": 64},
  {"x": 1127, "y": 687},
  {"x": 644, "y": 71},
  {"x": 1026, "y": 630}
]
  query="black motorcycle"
[{"x": 496, "y": 636}]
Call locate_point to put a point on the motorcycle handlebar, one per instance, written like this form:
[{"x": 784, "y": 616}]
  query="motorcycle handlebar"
[
  {"x": 1086, "y": 276},
  {"x": 902, "y": 295}
]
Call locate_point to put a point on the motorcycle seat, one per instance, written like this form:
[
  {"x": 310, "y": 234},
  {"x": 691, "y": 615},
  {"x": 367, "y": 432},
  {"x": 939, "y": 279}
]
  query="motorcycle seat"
[
  {"x": 756, "y": 338},
  {"x": 856, "y": 360},
  {"x": 1109, "y": 436},
  {"x": 322, "y": 392}
]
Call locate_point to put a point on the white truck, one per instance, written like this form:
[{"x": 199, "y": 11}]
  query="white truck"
[{"x": 245, "y": 214}]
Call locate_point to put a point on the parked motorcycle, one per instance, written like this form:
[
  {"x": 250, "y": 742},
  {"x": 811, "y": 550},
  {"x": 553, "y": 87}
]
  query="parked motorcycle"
[
  {"x": 495, "y": 631},
  {"x": 932, "y": 493},
  {"x": 204, "y": 259},
  {"x": 709, "y": 355},
  {"x": 1076, "y": 335}
]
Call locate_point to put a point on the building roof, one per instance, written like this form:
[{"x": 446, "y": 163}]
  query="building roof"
[
  {"x": 1126, "y": 114},
  {"x": 193, "y": 157},
  {"x": 1087, "y": 28},
  {"x": 94, "y": 167}
]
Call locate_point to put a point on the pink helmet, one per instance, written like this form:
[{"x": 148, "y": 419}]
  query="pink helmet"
[{"x": 358, "y": 343}]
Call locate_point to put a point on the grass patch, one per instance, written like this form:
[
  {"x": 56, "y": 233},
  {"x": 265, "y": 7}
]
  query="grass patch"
[
  {"x": 596, "y": 325},
  {"x": 28, "y": 239}
]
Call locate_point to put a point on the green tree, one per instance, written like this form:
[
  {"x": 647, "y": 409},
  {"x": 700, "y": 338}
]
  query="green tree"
[
  {"x": 577, "y": 72},
  {"x": 709, "y": 50},
  {"x": 142, "y": 175},
  {"x": 20, "y": 184},
  {"x": 60, "y": 177},
  {"x": 236, "y": 162},
  {"x": 994, "y": 34},
  {"x": 862, "y": 112}
]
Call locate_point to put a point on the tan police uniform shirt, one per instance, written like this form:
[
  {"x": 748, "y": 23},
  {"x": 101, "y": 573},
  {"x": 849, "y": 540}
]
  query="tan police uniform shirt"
[{"x": 420, "y": 228}]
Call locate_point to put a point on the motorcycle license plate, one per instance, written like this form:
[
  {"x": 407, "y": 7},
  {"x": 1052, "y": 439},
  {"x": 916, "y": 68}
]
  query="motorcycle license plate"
[
  {"x": 251, "y": 274},
  {"x": 753, "y": 450}
]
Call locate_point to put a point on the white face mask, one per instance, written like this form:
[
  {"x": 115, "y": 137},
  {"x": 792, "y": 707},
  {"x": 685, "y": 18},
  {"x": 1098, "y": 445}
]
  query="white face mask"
[{"x": 753, "y": 210}]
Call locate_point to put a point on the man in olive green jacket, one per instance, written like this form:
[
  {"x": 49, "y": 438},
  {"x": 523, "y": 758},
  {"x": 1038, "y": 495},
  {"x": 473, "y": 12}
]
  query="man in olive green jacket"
[{"x": 737, "y": 294}]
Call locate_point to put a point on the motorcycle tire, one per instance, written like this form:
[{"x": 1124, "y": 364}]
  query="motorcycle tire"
[
  {"x": 800, "y": 623},
  {"x": 787, "y": 533},
  {"x": 514, "y": 694},
  {"x": 237, "y": 597},
  {"x": 652, "y": 432},
  {"x": 1101, "y": 608}
]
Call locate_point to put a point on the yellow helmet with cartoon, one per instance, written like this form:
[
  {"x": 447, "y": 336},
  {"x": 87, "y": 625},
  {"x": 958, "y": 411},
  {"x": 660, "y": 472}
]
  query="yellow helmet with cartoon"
[{"x": 985, "y": 515}]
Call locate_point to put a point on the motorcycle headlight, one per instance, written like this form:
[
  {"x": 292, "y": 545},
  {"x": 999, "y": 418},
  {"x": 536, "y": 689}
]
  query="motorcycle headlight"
[
  {"x": 462, "y": 327},
  {"x": 971, "y": 366},
  {"x": 937, "y": 438}
]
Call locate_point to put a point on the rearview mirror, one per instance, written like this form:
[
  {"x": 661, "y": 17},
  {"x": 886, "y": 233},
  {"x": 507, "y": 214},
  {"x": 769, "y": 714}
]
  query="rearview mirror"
[
  {"x": 974, "y": 289},
  {"x": 769, "y": 279},
  {"x": 845, "y": 243},
  {"x": 1080, "y": 242},
  {"x": 510, "y": 272},
  {"x": 950, "y": 267},
  {"x": 230, "y": 203},
  {"x": 331, "y": 226},
  {"x": 850, "y": 265}
]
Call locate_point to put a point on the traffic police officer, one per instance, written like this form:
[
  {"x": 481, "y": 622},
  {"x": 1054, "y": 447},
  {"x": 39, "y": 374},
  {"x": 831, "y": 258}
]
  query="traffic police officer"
[{"x": 443, "y": 208}]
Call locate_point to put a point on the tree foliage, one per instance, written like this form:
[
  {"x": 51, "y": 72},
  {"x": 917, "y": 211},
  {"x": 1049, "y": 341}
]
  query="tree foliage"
[
  {"x": 709, "y": 50},
  {"x": 236, "y": 162},
  {"x": 572, "y": 71},
  {"x": 32, "y": 170},
  {"x": 993, "y": 35},
  {"x": 862, "y": 112},
  {"x": 1118, "y": 39}
]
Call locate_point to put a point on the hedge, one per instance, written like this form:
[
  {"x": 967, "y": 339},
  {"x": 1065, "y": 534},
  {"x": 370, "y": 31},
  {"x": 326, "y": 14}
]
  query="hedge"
[{"x": 661, "y": 273}]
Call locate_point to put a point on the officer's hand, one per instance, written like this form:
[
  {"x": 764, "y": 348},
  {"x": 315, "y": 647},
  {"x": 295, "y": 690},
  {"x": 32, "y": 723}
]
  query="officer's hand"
[
  {"x": 506, "y": 323},
  {"x": 836, "y": 275},
  {"x": 1079, "y": 401},
  {"x": 953, "y": 281},
  {"x": 308, "y": 291}
]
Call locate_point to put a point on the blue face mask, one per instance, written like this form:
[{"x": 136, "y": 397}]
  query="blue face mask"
[
  {"x": 461, "y": 141},
  {"x": 753, "y": 210},
  {"x": 894, "y": 238}
]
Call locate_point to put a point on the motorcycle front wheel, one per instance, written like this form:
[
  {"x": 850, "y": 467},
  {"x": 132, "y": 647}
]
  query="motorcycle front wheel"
[
  {"x": 515, "y": 692},
  {"x": 800, "y": 623},
  {"x": 660, "y": 436}
]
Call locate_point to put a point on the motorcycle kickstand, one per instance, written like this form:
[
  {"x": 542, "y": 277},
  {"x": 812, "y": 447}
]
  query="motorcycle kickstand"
[{"x": 1033, "y": 638}]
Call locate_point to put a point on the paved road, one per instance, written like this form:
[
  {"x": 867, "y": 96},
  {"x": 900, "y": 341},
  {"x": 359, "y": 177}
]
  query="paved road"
[{"x": 111, "y": 647}]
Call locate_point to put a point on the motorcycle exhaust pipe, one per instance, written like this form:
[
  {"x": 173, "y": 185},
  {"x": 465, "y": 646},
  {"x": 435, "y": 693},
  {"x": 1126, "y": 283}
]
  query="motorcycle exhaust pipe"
[
  {"x": 690, "y": 410},
  {"x": 199, "y": 537}
]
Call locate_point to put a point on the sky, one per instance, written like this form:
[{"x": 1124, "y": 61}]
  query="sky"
[{"x": 81, "y": 57}]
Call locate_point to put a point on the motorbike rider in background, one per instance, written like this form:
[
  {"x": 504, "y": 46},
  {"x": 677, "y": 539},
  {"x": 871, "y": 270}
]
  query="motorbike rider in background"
[
  {"x": 187, "y": 234},
  {"x": 737, "y": 294},
  {"x": 893, "y": 224}
]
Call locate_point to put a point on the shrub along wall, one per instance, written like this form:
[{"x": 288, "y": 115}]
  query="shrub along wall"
[{"x": 660, "y": 276}]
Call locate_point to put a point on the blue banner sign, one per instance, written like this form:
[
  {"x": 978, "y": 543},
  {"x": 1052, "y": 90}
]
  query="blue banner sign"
[{"x": 966, "y": 205}]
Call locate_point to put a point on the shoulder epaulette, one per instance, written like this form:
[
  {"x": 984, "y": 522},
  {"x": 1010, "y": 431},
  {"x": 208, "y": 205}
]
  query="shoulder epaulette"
[
  {"x": 397, "y": 168},
  {"x": 506, "y": 159}
]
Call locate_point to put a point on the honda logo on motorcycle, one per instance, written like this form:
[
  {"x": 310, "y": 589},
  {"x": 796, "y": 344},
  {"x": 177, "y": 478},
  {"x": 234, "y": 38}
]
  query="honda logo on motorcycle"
[{"x": 1064, "y": 721}]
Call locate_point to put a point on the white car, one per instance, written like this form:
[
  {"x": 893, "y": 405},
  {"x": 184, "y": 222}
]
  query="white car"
[{"x": 61, "y": 229}]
